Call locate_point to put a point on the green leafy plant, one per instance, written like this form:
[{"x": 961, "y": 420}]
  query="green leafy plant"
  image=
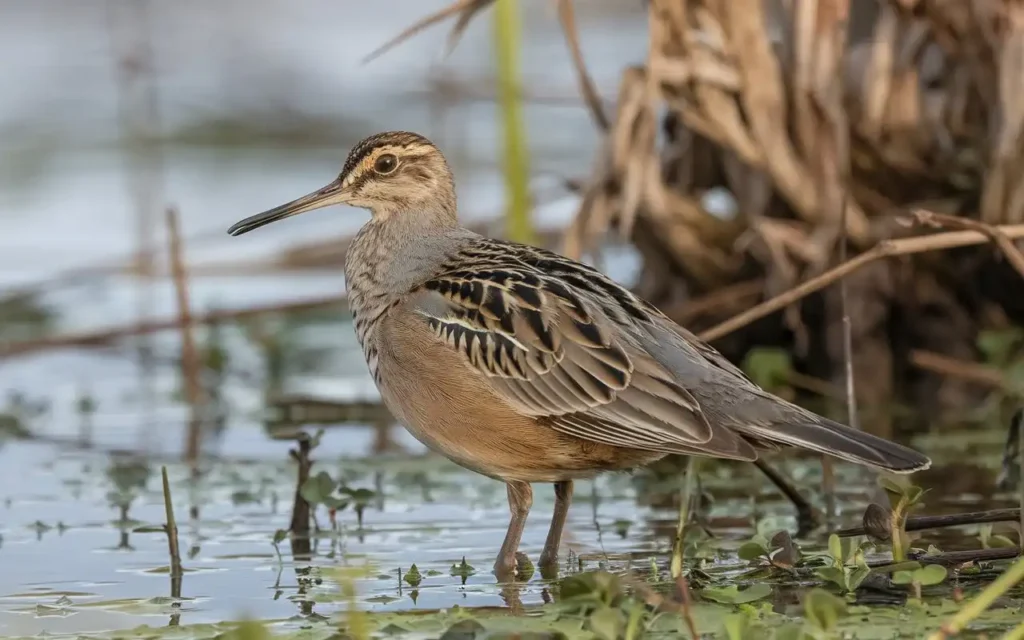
[
  {"x": 823, "y": 611},
  {"x": 609, "y": 613},
  {"x": 462, "y": 570},
  {"x": 925, "y": 576},
  {"x": 413, "y": 576},
  {"x": 780, "y": 552},
  {"x": 320, "y": 489},
  {"x": 845, "y": 567},
  {"x": 990, "y": 541},
  {"x": 742, "y": 626},
  {"x": 732, "y": 594},
  {"x": 903, "y": 498},
  {"x": 359, "y": 499}
]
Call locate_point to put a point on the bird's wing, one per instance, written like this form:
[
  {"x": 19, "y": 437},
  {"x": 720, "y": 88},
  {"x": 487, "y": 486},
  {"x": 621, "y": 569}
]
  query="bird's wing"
[{"x": 554, "y": 346}]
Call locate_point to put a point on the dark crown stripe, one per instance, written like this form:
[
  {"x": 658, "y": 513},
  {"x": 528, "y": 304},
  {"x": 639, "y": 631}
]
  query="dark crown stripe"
[{"x": 386, "y": 139}]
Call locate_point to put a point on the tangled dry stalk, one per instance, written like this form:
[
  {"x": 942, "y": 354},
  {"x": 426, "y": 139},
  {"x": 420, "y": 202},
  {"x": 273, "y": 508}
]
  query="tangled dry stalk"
[{"x": 823, "y": 119}]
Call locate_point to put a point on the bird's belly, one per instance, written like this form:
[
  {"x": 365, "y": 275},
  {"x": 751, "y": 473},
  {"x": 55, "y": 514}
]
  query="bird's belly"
[{"x": 444, "y": 404}]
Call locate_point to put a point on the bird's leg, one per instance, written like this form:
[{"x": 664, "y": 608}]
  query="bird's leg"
[
  {"x": 563, "y": 498},
  {"x": 520, "y": 499},
  {"x": 807, "y": 517}
]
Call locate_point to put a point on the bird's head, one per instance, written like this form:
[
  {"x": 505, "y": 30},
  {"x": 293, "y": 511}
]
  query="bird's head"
[{"x": 396, "y": 173}]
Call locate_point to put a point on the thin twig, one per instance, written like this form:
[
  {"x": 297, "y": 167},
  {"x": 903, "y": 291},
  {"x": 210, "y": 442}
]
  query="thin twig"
[
  {"x": 807, "y": 516},
  {"x": 884, "y": 249},
  {"x": 731, "y": 296},
  {"x": 105, "y": 336},
  {"x": 189, "y": 356},
  {"x": 567, "y": 16},
  {"x": 171, "y": 527},
  {"x": 969, "y": 371},
  {"x": 993, "y": 233},
  {"x": 920, "y": 523},
  {"x": 948, "y": 558},
  {"x": 684, "y": 594},
  {"x": 465, "y": 9}
]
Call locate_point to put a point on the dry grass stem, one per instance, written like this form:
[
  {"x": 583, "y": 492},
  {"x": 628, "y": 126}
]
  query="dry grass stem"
[
  {"x": 970, "y": 371},
  {"x": 994, "y": 234},
  {"x": 567, "y": 16},
  {"x": 684, "y": 594},
  {"x": 190, "y": 366},
  {"x": 885, "y": 249},
  {"x": 464, "y": 9},
  {"x": 174, "y": 551}
]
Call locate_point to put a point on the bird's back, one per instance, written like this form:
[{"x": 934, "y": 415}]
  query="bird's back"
[{"x": 562, "y": 343}]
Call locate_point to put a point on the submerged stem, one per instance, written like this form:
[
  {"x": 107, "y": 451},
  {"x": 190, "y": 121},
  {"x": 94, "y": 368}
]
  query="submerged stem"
[{"x": 685, "y": 498}]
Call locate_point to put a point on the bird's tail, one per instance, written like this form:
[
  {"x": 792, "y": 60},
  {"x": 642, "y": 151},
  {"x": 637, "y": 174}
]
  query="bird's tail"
[{"x": 832, "y": 438}]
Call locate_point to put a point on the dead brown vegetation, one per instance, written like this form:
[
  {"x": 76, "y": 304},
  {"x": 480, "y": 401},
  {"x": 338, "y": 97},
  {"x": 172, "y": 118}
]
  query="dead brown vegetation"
[{"x": 815, "y": 115}]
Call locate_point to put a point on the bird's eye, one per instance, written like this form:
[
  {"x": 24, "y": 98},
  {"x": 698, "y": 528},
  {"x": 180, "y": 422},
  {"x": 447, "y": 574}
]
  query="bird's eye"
[{"x": 386, "y": 163}]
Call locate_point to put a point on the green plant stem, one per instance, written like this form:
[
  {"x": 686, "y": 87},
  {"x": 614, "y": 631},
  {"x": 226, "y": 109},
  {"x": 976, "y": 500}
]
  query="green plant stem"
[
  {"x": 507, "y": 36},
  {"x": 172, "y": 527},
  {"x": 1016, "y": 633},
  {"x": 981, "y": 602},
  {"x": 897, "y": 535},
  {"x": 685, "y": 497}
]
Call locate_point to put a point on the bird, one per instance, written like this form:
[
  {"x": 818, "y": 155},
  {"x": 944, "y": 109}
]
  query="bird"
[{"x": 529, "y": 367}]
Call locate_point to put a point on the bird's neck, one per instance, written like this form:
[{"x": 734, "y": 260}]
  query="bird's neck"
[
  {"x": 388, "y": 257},
  {"x": 384, "y": 262}
]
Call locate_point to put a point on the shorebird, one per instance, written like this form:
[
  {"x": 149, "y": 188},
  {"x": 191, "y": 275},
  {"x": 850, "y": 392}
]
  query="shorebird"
[{"x": 526, "y": 366}]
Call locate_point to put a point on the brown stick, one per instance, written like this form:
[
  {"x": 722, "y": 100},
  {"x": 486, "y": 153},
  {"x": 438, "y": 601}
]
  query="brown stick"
[
  {"x": 299, "y": 527},
  {"x": 189, "y": 357},
  {"x": 172, "y": 528},
  {"x": 684, "y": 594},
  {"x": 998, "y": 238},
  {"x": 104, "y": 336},
  {"x": 947, "y": 558},
  {"x": 807, "y": 517},
  {"x": 920, "y": 523},
  {"x": 567, "y": 17},
  {"x": 953, "y": 558},
  {"x": 728, "y": 295},
  {"x": 884, "y": 249},
  {"x": 971, "y": 371}
]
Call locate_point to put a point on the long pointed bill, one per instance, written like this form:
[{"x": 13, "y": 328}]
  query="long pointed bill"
[{"x": 331, "y": 194}]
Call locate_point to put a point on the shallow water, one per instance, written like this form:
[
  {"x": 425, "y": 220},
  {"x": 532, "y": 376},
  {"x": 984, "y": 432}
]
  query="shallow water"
[{"x": 68, "y": 564}]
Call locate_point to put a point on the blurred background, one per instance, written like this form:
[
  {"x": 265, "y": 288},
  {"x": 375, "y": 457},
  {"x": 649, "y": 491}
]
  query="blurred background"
[
  {"x": 708, "y": 158},
  {"x": 118, "y": 111}
]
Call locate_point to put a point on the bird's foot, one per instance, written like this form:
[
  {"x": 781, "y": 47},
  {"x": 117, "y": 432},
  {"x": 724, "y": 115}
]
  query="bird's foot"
[
  {"x": 548, "y": 565},
  {"x": 513, "y": 566}
]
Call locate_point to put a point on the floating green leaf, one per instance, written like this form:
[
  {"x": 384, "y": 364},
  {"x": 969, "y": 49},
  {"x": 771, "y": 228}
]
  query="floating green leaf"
[
  {"x": 753, "y": 549},
  {"x": 733, "y": 595},
  {"x": 823, "y": 610},
  {"x": 606, "y": 623}
]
